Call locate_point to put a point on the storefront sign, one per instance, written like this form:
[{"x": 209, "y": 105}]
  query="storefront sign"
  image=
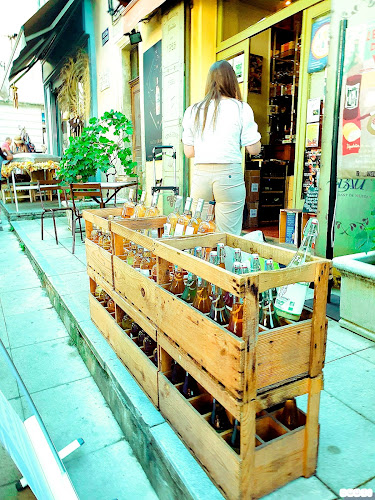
[
  {"x": 356, "y": 148},
  {"x": 152, "y": 70},
  {"x": 319, "y": 45}
]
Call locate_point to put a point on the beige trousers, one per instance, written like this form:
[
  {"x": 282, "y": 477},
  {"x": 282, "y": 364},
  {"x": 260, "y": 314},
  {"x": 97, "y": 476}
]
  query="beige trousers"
[{"x": 224, "y": 183}]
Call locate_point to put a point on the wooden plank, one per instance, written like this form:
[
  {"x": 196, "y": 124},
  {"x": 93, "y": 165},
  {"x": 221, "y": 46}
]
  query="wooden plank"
[
  {"x": 278, "y": 462},
  {"x": 209, "y": 240},
  {"x": 278, "y": 277},
  {"x": 281, "y": 394},
  {"x": 137, "y": 224},
  {"x": 211, "y": 450},
  {"x": 319, "y": 329},
  {"x": 211, "y": 345},
  {"x": 162, "y": 271},
  {"x": 312, "y": 427},
  {"x": 206, "y": 380},
  {"x": 100, "y": 260},
  {"x": 213, "y": 274},
  {"x": 283, "y": 353},
  {"x": 99, "y": 280},
  {"x": 99, "y": 216},
  {"x": 99, "y": 316}
]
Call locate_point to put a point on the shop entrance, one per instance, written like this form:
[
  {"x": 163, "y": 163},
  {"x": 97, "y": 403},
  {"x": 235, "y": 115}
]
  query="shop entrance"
[{"x": 271, "y": 65}]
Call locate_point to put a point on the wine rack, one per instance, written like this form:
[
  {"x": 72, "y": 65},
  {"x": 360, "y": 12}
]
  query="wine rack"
[{"x": 248, "y": 376}]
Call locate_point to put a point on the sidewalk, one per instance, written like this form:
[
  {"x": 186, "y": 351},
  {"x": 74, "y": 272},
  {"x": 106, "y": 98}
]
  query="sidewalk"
[
  {"x": 347, "y": 414},
  {"x": 61, "y": 386}
]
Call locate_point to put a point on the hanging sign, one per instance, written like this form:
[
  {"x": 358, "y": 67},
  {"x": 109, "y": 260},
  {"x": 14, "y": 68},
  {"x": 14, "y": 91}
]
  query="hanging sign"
[
  {"x": 356, "y": 146},
  {"x": 319, "y": 45}
]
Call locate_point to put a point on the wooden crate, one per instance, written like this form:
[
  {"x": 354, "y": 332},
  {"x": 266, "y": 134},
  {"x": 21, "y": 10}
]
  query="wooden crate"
[{"x": 246, "y": 375}]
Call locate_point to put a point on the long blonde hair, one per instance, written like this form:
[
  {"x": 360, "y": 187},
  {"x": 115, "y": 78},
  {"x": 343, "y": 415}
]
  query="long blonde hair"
[{"x": 221, "y": 82}]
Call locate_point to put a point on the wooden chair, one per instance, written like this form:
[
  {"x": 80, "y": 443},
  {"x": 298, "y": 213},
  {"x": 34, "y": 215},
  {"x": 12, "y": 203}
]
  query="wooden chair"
[
  {"x": 45, "y": 187},
  {"x": 83, "y": 190}
]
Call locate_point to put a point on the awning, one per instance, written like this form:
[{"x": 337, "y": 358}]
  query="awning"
[
  {"x": 137, "y": 10},
  {"x": 38, "y": 34}
]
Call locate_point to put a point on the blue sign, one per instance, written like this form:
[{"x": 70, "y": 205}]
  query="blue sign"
[
  {"x": 319, "y": 45},
  {"x": 105, "y": 36}
]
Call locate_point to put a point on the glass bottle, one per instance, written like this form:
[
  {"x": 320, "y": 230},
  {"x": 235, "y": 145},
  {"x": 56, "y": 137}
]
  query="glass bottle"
[
  {"x": 268, "y": 266},
  {"x": 173, "y": 217},
  {"x": 111, "y": 306},
  {"x": 146, "y": 264},
  {"x": 268, "y": 315},
  {"x": 228, "y": 297},
  {"x": 189, "y": 389},
  {"x": 140, "y": 208},
  {"x": 126, "y": 322},
  {"x": 106, "y": 241},
  {"x": 218, "y": 312},
  {"x": 141, "y": 337},
  {"x": 99, "y": 293},
  {"x": 291, "y": 298},
  {"x": 202, "y": 300},
  {"x": 94, "y": 234},
  {"x": 153, "y": 210},
  {"x": 184, "y": 218},
  {"x": 221, "y": 255},
  {"x": 208, "y": 225},
  {"x": 212, "y": 259},
  {"x": 289, "y": 416},
  {"x": 236, "y": 315},
  {"x": 148, "y": 345},
  {"x": 138, "y": 257},
  {"x": 129, "y": 206},
  {"x": 155, "y": 356},
  {"x": 194, "y": 222},
  {"x": 134, "y": 331},
  {"x": 131, "y": 254},
  {"x": 219, "y": 419},
  {"x": 235, "y": 437},
  {"x": 190, "y": 289},
  {"x": 177, "y": 285}
]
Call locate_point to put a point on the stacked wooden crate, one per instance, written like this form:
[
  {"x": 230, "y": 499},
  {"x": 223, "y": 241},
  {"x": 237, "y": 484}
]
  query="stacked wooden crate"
[{"x": 249, "y": 376}]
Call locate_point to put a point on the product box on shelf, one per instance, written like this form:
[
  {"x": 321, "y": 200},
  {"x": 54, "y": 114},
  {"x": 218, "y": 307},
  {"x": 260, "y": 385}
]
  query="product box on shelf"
[
  {"x": 250, "y": 376},
  {"x": 252, "y": 180}
]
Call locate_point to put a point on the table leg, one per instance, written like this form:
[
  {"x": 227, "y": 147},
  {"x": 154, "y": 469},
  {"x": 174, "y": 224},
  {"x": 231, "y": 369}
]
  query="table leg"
[{"x": 14, "y": 190}]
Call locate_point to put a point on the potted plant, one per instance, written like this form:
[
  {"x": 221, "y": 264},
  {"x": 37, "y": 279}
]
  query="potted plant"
[
  {"x": 103, "y": 145},
  {"x": 357, "y": 300}
]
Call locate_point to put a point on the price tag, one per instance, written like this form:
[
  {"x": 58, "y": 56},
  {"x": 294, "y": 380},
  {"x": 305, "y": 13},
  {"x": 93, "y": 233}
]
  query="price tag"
[
  {"x": 179, "y": 231},
  {"x": 189, "y": 230},
  {"x": 167, "y": 229},
  {"x": 254, "y": 187}
]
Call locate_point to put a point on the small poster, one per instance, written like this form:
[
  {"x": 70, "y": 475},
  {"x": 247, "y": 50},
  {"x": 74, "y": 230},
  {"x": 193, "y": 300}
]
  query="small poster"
[
  {"x": 255, "y": 73},
  {"x": 319, "y": 45},
  {"x": 238, "y": 66},
  {"x": 312, "y": 135},
  {"x": 313, "y": 110},
  {"x": 310, "y": 205},
  {"x": 311, "y": 169}
]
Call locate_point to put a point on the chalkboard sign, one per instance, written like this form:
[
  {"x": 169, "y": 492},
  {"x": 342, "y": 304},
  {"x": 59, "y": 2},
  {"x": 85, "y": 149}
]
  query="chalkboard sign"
[{"x": 310, "y": 205}]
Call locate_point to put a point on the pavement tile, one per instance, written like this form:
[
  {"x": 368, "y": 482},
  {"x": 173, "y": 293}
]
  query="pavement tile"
[
  {"x": 22, "y": 281},
  {"x": 368, "y": 354},
  {"x": 34, "y": 327},
  {"x": 48, "y": 364},
  {"x": 78, "y": 304},
  {"x": 24, "y": 301},
  {"x": 307, "y": 488},
  {"x": 335, "y": 351},
  {"x": 67, "y": 284},
  {"x": 352, "y": 381},
  {"x": 346, "y": 449},
  {"x": 347, "y": 339},
  {"x": 119, "y": 475},
  {"x": 77, "y": 410}
]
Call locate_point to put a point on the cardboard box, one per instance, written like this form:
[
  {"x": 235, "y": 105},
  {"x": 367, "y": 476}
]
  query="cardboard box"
[
  {"x": 252, "y": 180},
  {"x": 252, "y": 215}
]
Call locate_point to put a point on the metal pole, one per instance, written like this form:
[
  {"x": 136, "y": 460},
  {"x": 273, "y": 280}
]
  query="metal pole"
[
  {"x": 19, "y": 380},
  {"x": 336, "y": 118}
]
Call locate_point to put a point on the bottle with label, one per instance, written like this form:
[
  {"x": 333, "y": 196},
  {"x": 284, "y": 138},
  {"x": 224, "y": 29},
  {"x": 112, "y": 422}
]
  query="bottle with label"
[
  {"x": 221, "y": 255},
  {"x": 228, "y": 297},
  {"x": 268, "y": 314},
  {"x": 146, "y": 264},
  {"x": 291, "y": 298},
  {"x": 202, "y": 300},
  {"x": 208, "y": 225},
  {"x": 129, "y": 206},
  {"x": 194, "y": 222},
  {"x": 177, "y": 285},
  {"x": 212, "y": 259},
  {"x": 218, "y": 312},
  {"x": 184, "y": 218},
  {"x": 140, "y": 208},
  {"x": 190, "y": 289},
  {"x": 157, "y": 98},
  {"x": 153, "y": 211},
  {"x": 236, "y": 315},
  {"x": 173, "y": 217}
]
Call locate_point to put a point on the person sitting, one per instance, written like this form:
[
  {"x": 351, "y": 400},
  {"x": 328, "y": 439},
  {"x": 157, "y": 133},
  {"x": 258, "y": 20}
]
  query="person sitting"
[{"x": 7, "y": 144}]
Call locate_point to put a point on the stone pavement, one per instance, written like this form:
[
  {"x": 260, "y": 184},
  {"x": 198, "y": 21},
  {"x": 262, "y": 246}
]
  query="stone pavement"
[
  {"x": 347, "y": 414},
  {"x": 61, "y": 386}
]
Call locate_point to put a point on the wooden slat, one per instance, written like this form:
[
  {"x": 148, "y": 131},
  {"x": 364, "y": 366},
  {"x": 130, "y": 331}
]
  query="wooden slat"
[
  {"x": 312, "y": 427},
  {"x": 99, "y": 260},
  {"x": 209, "y": 240},
  {"x": 99, "y": 280},
  {"x": 206, "y": 380},
  {"x": 279, "y": 277},
  {"x": 278, "y": 463},
  {"x": 281, "y": 394},
  {"x": 100, "y": 316},
  {"x": 140, "y": 223},
  {"x": 99, "y": 216},
  {"x": 212, "y": 346},
  {"x": 319, "y": 328},
  {"x": 212, "y": 451},
  {"x": 283, "y": 353}
]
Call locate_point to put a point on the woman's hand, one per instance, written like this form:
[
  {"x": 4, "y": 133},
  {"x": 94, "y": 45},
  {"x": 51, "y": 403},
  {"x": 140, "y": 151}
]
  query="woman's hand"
[
  {"x": 189, "y": 151},
  {"x": 253, "y": 149}
]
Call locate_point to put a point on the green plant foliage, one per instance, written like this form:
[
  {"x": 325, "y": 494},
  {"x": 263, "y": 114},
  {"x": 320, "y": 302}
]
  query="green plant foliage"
[{"x": 103, "y": 144}]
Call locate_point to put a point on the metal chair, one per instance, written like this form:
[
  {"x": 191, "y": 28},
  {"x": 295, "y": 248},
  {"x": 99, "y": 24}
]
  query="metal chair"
[
  {"x": 83, "y": 190},
  {"x": 45, "y": 187}
]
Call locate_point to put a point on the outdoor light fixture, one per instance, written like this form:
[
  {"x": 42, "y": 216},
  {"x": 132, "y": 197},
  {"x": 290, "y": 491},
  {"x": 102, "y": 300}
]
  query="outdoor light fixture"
[{"x": 135, "y": 37}]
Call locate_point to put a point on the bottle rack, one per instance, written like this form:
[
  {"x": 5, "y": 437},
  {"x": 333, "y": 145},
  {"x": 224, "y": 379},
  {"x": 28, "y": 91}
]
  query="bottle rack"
[{"x": 245, "y": 375}]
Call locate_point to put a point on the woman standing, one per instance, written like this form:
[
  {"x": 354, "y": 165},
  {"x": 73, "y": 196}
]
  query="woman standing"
[{"x": 214, "y": 130}]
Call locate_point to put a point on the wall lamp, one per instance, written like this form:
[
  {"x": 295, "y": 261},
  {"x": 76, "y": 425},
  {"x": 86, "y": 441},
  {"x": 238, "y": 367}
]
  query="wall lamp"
[{"x": 135, "y": 37}]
